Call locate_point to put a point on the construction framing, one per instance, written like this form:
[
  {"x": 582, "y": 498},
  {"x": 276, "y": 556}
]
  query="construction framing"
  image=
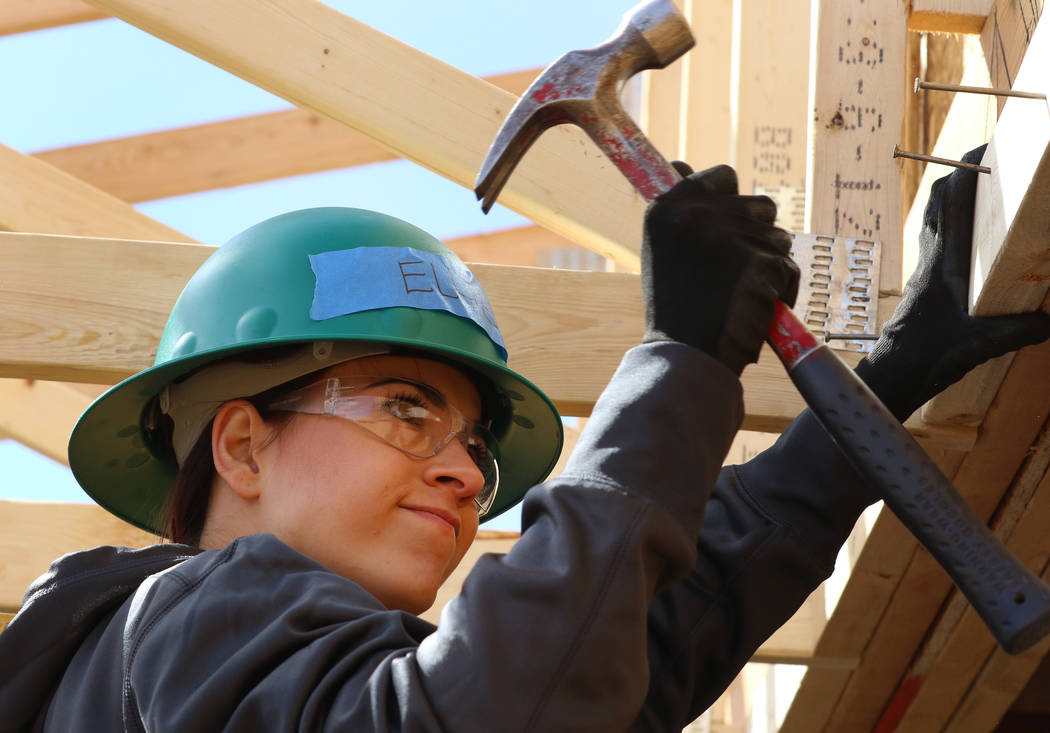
[{"x": 900, "y": 651}]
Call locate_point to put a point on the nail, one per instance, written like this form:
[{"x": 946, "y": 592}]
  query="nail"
[
  {"x": 898, "y": 153},
  {"x": 850, "y": 336},
  {"x": 919, "y": 84}
]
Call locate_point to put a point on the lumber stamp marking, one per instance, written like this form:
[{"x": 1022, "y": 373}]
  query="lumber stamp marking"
[{"x": 859, "y": 106}]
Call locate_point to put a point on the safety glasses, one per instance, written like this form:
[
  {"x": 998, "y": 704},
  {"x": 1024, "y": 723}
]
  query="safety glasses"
[{"x": 413, "y": 417}]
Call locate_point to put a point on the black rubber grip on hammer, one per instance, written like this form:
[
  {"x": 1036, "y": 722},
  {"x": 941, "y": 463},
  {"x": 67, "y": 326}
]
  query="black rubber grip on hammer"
[{"x": 1012, "y": 600}]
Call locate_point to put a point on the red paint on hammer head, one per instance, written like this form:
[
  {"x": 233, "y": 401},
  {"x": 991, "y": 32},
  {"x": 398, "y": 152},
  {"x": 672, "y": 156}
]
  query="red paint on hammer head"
[{"x": 545, "y": 93}]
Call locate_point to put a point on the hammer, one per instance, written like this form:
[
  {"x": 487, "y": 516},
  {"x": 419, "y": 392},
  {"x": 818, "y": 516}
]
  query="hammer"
[{"x": 583, "y": 88}]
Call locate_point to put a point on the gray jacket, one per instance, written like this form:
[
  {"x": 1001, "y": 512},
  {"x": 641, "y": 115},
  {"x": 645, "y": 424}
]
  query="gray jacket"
[{"x": 624, "y": 605}]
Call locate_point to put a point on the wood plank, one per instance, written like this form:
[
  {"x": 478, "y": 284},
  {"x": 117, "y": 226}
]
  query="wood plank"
[
  {"x": 97, "y": 315},
  {"x": 33, "y": 534},
  {"x": 41, "y": 415},
  {"x": 773, "y": 105},
  {"x": 405, "y": 101},
  {"x": 661, "y": 109},
  {"x": 705, "y": 132},
  {"x": 960, "y": 644},
  {"x": 896, "y": 589},
  {"x": 228, "y": 153},
  {"x": 1001, "y": 681},
  {"x": 527, "y": 246},
  {"x": 982, "y": 478},
  {"x": 969, "y": 121},
  {"x": 949, "y": 16},
  {"x": 36, "y": 197},
  {"x": 1010, "y": 270},
  {"x": 1005, "y": 37},
  {"x": 5, "y": 619},
  {"x": 855, "y": 185},
  {"x": 19, "y": 16}
]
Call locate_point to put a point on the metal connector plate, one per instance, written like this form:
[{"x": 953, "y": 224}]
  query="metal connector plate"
[{"x": 839, "y": 289}]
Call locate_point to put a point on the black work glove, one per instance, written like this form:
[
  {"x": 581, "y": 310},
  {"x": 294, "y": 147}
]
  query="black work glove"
[
  {"x": 931, "y": 341},
  {"x": 713, "y": 266}
]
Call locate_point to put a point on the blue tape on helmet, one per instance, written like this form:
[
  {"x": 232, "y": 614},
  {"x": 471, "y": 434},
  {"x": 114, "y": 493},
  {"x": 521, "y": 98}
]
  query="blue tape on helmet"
[{"x": 366, "y": 278}]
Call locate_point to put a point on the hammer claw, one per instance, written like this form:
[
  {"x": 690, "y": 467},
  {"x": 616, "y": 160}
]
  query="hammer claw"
[{"x": 583, "y": 88}]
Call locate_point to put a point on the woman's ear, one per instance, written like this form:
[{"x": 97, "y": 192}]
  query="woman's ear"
[{"x": 238, "y": 429}]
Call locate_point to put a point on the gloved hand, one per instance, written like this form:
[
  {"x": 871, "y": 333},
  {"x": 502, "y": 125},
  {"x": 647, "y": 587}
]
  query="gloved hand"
[
  {"x": 931, "y": 341},
  {"x": 713, "y": 266}
]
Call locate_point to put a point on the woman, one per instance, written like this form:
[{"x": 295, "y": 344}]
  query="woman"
[{"x": 341, "y": 417}]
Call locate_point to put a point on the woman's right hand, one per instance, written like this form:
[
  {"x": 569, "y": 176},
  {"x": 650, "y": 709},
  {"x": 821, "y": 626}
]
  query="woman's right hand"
[{"x": 713, "y": 267}]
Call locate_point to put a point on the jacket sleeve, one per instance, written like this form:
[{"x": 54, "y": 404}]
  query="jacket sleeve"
[
  {"x": 552, "y": 636},
  {"x": 770, "y": 536}
]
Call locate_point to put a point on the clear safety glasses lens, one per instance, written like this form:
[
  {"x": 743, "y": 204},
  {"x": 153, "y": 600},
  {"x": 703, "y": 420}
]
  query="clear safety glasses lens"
[{"x": 414, "y": 418}]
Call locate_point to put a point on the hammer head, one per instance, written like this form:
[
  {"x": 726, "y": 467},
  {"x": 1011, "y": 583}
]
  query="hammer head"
[{"x": 583, "y": 87}]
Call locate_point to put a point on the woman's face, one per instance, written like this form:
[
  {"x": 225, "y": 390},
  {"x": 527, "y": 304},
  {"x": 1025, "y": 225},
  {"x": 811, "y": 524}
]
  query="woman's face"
[{"x": 395, "y": 524}]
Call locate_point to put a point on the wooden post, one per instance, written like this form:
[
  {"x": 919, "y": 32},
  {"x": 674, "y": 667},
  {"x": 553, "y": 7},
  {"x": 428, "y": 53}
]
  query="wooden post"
[
  {"x": 773, "y": 104},
  {"x": 855, "y": 184},
  {"x": 705, "y": 137}
]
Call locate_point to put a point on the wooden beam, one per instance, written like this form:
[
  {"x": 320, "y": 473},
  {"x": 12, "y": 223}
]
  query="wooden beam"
[
  {"x": 705, "y": 128},
  {"x": 949, "y": 16},
  {"x": 855, "y": 185},
  {"x": 19, "y": 16},
  {"x": 228, "y": 153},
  {"x": 896, "y": 589},
  {"x": 528, "y": 246},
  {"x": 32, "y": 534},
  {"x": 960, "y": 645},
  {"x": 36, "y": 197},
  {"x": 970, "y": 121},
  {"x": 661, "y": 109},
  {"x": 1005, "y": 38},
  {"x": 92, "y": 310},
  {"x": 41, "y": 415},
  {"x": 773, "y": 105},
  {"x": 405, "y": 101},
  {"x": 1010, "y": 269}
]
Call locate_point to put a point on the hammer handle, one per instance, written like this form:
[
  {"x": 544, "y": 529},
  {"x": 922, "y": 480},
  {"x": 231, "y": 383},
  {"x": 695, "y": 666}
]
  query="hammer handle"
[{"x": 1013, "y": 601}]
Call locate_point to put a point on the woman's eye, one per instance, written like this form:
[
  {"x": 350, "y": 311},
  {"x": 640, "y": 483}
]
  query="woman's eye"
[{"x": 406, "y": 408}]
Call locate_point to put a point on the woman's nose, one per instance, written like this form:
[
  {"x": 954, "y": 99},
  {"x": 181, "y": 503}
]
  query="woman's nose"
[{"x": 453, "y": 468}]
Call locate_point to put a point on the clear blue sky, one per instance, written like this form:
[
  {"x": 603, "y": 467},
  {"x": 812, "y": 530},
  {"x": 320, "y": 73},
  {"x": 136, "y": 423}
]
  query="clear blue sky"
[{"x": 105, "y": 79}]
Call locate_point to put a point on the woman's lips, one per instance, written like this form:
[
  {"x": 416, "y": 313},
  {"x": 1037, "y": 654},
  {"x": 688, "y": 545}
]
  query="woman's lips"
[{"x": 438, "y": 515}]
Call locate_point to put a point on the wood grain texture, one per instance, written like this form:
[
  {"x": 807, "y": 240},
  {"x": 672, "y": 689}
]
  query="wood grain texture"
[
  {"x": 527, "y": 246},
  {"x": 705, "y": 130},
  {"x": 36, "y": 197},
  {"x": 949, "y": 16},
  {"x": 20, "y": 16},
  {"x": 405, "y": 101},
  {"x": 228, "y": 153},
  {"x": 41, "y": 415},
  {"x": 68, "y": 322},
  {"x": 1005, "y": 38},
  {"x": 855, "y": 184},
  {"x": 889, "y": 629},
  {"x": 1010, "y": 269},
  {"x": 33, "y": 534},
  {"x": 773, "y": 105},
  {"x": 968, "y": 122}
]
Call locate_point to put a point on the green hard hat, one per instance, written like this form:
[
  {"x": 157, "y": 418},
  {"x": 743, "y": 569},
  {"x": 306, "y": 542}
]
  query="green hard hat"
[{"x": 331, "y": 275}]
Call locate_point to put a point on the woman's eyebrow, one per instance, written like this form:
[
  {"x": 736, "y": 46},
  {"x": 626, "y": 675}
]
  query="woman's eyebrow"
[{"x": 429, "y": 392}]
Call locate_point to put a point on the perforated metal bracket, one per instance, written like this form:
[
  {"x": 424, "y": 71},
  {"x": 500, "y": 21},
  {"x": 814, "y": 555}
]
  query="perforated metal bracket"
[{"x": 839, "y": 289}]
